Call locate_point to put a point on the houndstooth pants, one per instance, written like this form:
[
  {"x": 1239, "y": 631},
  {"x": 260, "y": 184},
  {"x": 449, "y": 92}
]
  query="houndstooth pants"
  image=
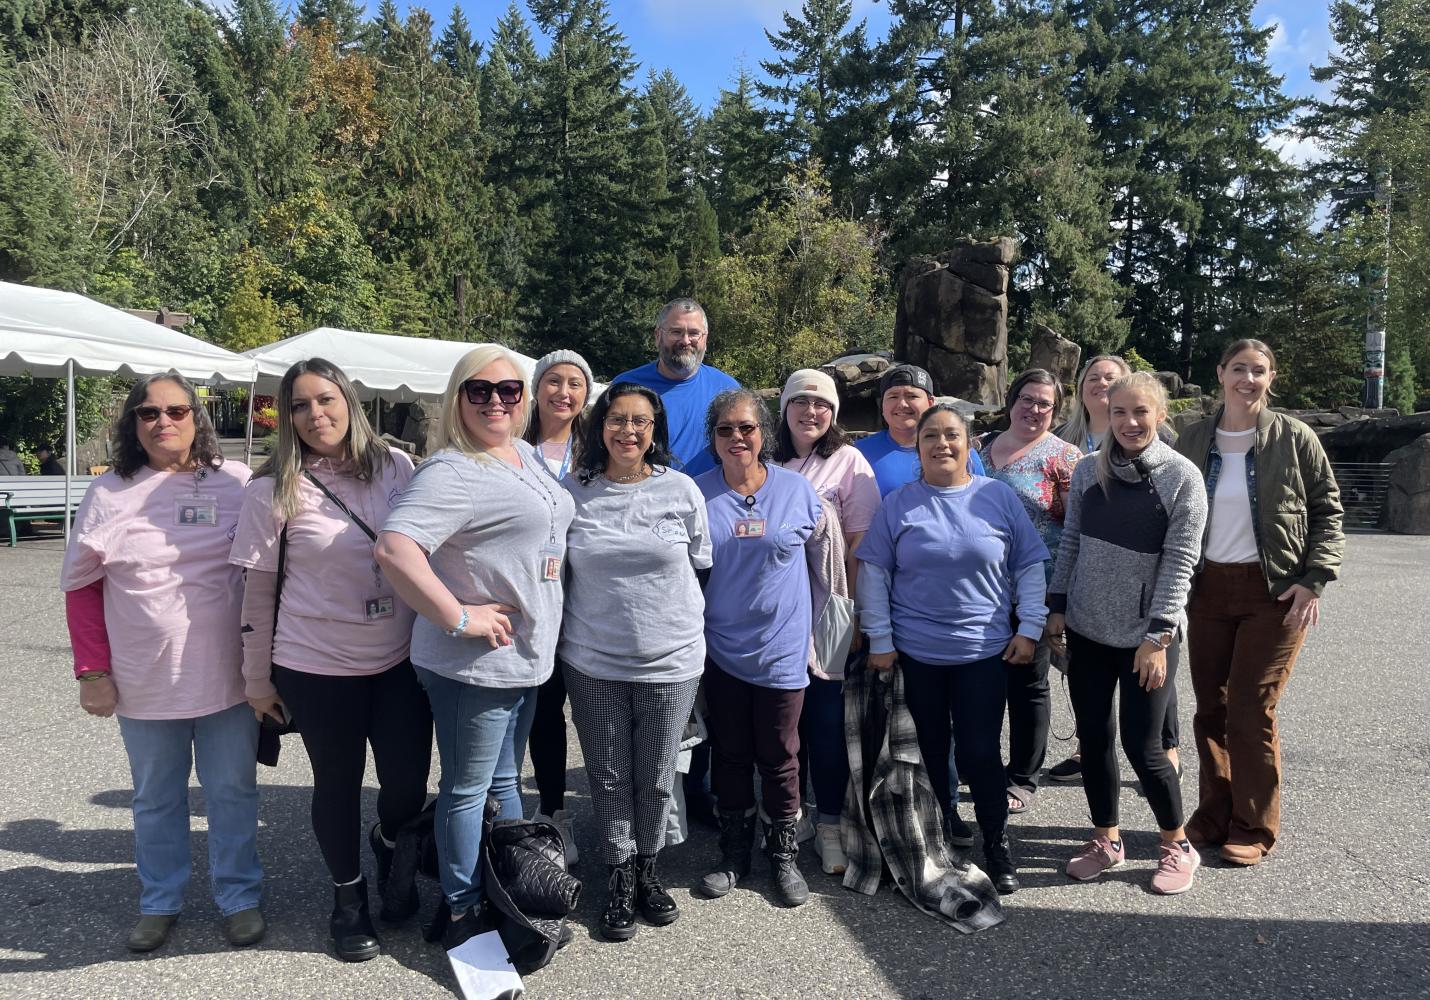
[{"x": 630, "y": 736}]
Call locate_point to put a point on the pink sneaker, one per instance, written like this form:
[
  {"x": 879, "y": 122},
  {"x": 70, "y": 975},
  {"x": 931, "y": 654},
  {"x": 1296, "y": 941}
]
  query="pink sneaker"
[
  {"x": 1097, "y": 856},
  {"x": 1176, "y": 868}
]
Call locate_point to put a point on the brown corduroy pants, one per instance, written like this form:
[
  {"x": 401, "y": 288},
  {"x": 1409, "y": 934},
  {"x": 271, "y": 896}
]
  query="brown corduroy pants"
[{"x": 1240, "y": 655}]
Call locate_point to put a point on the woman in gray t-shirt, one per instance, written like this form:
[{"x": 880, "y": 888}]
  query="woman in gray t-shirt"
[
  {"x": 475, "y": 545},
  {"x": 632, "y": 639}
]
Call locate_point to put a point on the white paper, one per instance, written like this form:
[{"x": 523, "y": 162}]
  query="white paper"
[{"x": 483, "y": 970}]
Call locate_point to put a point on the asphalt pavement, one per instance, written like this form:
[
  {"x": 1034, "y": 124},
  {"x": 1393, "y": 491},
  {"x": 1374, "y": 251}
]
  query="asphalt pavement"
[{"x": 1341, "y": 910}]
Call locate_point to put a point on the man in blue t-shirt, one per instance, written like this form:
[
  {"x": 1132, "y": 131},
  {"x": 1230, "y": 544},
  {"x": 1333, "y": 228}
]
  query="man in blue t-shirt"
[
  {"x": 905, "y": 392},
  {"x": 685, "y": 384}
]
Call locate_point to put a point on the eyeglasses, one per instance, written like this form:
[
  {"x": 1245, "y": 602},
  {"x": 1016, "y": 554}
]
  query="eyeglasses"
[
  {"x": 638, "y": 424},
  {"x": 679, "y": 332},
  {"x": 1036, "y": 405},
  {"x": 149, "y": 414},
  {"x": 812, "y": 403},
  {"x": 728, "y": 430},
  {"x": 479, "y": 390}
]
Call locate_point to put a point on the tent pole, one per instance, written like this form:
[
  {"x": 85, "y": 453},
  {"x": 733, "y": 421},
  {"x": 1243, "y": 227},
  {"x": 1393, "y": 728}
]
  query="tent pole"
[
  {"x": 70, "y": 444},
  {"x": 248, "y": 430}
]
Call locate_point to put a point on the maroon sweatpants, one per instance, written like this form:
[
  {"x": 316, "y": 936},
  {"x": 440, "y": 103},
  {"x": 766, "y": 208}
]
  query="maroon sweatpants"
[{"x": 753, "y": 727}]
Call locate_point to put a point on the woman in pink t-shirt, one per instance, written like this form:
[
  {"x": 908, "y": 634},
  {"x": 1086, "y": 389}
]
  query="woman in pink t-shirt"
[
  {"x": 336, "y": 656},
  {"x": 811, "y": 442},
  {"x": 152, "y": 607}
]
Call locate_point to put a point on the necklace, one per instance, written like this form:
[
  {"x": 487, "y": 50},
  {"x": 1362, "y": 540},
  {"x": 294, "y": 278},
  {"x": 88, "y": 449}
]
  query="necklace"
[{"x": 632, "y": 477}]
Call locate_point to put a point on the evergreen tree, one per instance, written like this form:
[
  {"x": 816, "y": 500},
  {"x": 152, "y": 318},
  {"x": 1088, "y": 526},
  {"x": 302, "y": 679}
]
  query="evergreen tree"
[
  {"x": 744, "y": 165},
  {"x": 344, "y": 17},
  {"x": 459, "y": 52},
  {"x": 38, "y": 240}
]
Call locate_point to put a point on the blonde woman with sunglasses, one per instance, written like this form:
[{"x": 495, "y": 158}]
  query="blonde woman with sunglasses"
[{"x": 477, "y": 547}]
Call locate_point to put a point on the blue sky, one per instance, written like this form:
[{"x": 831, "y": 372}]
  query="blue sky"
[{"x": 704, "y": 41}]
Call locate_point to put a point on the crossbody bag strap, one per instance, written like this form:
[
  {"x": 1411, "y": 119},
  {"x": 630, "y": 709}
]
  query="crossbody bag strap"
[{"x": 341, "y": 506}]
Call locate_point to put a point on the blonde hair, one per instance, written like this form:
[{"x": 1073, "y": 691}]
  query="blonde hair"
[
  {"x": 364, "y": 449},
  {"x": 1131, "y": 382},
  {"x": 452, "y": 433},
  {"x": 1076, "y": 429}
]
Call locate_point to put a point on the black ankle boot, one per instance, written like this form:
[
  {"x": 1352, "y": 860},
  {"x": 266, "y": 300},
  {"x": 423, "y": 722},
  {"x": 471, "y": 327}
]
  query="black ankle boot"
[
  {"x": 354, "y": 938},
  {"x": 618, "y": 922},
  {"x": 737, "y": 839},
  {"x": 652, "y": 900},
  {"x": 782, "y": 842},
  {"x": 396, "y": 877},
  {"x": 998, "y": 857}
]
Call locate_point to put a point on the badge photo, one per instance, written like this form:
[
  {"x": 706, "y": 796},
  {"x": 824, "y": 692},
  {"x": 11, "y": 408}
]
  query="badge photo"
[{"x": 199, "y": 510}]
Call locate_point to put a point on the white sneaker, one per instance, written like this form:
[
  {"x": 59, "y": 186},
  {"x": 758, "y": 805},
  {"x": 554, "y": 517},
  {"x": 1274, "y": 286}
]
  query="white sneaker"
[
  {"x": 831, "y": 850},
  {"x": 562, "y": 822},
  {"x": 804, "y": 830}
]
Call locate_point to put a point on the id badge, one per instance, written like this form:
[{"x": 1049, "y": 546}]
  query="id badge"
[
  {"x": 197, "y": 510},
  {"x": 750, "y": 527},
  {"x": 375, "y": 608},
  {"x": 551, "y": 558}
]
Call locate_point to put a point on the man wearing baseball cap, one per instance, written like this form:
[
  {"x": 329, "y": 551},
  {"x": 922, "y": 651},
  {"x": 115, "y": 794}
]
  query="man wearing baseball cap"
[{"x": 905, "y": 392}]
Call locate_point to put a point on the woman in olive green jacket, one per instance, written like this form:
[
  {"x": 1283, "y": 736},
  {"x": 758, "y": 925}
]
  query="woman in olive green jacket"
[{"x": 1273, "y": 541}]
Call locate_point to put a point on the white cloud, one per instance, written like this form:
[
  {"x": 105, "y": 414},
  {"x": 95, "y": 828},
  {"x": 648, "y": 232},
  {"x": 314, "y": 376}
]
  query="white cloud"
[{"x": 1297, "y": 149}]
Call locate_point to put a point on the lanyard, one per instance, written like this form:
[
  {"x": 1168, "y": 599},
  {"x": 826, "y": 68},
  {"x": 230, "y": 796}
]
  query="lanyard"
[{"x": 544, "y": 492}]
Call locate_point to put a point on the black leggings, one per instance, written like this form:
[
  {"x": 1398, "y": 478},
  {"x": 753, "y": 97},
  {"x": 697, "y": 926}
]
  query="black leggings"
[
  {"x": 1095, "y": 673},
  {"x": 547, "y": 742},
  {"x": 337, "y": 717}
]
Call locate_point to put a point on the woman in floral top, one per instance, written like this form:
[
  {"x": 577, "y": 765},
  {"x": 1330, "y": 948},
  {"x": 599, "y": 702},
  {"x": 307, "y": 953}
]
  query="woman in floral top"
[{"x": 1038, "y": 465}]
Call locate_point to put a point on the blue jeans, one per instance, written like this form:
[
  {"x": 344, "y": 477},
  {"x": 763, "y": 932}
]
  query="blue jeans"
[
  {"x": 224, "y": 745},
  {"x": 962, "y": 703},
  {"x": 481, "y": 740}
]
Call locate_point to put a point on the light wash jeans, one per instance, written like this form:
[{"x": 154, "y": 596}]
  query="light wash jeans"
[
  {"x": 224, "y": 745},
  {"x": 481, "y": 741}
]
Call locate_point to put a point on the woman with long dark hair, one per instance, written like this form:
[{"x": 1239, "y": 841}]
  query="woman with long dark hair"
[
  {"x": 326, "y": 636},
  {"x": 632, "y": 639},
  {"x": 153, "y": 611},
  {"x": 556, "y": 427},
  {"x": 949, "y": 561},
  {"x": 1273, "y": 542}
]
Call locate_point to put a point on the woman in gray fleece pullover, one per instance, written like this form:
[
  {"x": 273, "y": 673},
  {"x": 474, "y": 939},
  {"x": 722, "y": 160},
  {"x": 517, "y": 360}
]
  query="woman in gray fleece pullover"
[{"x": 1136, "y": 512}]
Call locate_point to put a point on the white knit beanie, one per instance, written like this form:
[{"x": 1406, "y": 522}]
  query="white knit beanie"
[{"x": 810, "y": 382}]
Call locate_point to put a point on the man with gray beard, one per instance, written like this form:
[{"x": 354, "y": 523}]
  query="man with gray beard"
[{"x": 685, "y": 384}]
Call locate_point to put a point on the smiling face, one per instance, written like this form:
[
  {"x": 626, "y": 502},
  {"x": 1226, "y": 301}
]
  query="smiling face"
[
  {"x": 1246, "y": 379},
  {"x": 1031, "y": 415},
  {"x": 1095, "y": 383},
  {"x": 1135, "y": 415},
  {"x": 560, "y": 396},
  {"x": 320, "y": 415},
  {"x": 168, "y": 441},
  {"x": 808, "y": 420},
  {"x": 943, "y": 449},
  {"x": 902, "y": 406},
  {"x": 491, "y": 424},
  {"x": 680, "y": 343},
  {"x": 627, "y": 431},
  {"x": 741, "y": 449}
]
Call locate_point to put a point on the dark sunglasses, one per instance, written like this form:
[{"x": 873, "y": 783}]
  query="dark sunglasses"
[
  {"x": 149, "y": 414},
  {"x": 479, "y": 391},
  {"x": 728, "y": 430}
]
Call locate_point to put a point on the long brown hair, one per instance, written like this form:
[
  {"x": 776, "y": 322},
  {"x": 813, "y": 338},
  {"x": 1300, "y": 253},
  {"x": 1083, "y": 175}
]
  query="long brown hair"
[{"x": 364, "y": 448}]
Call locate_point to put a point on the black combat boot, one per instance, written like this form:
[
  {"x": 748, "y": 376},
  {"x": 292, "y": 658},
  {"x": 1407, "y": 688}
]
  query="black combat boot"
[{"x": 737, "y": 837}]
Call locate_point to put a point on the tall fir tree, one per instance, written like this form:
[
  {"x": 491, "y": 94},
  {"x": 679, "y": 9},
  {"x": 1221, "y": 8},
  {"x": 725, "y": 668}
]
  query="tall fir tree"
[{"x": 744, "y": 163}]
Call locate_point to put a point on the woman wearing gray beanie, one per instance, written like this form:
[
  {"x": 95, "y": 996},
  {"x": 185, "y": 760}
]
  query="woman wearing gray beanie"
[{"x": 560, "y": 388}]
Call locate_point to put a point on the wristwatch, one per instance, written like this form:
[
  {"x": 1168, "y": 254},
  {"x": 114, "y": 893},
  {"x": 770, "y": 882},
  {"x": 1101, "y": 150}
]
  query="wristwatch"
[
  {"x": 1162, "y": 640},
  {"x": 456, "y": 630}
]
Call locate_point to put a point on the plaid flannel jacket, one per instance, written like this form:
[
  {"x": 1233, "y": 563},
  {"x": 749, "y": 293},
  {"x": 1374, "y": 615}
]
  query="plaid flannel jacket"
[{"x": 891, "y": 817}]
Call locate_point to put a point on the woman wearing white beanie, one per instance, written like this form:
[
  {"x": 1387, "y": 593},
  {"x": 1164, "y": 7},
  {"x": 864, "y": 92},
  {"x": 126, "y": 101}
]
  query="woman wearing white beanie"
[
  {"x": 560, "y": 388},
  {"x": 809, "y": 441}
]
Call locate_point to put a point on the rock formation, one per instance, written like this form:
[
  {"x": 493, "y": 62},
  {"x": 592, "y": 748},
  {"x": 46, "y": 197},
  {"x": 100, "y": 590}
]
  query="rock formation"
[
  {"x": 1407, "y": 501},
  {"x": 952, "y": 319}
]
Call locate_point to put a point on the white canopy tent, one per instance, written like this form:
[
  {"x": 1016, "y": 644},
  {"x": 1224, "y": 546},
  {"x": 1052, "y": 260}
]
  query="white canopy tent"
[
  {"x": 397, "y": 369},
  {"x": 54, "y": 334}
]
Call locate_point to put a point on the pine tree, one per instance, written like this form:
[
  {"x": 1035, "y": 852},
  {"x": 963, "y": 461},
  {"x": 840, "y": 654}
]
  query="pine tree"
[
  {"x": 38, "y": 240},
  {"x": 343, "y": 16},
  {"x": 744, "y": 166},
  {"x": 457, "y": 49}
]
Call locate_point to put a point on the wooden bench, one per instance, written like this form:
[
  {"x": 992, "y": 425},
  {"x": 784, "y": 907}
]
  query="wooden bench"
[{"x": 38, "y": 498}]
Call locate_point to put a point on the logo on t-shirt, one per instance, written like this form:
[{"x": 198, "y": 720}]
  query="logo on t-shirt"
[{"x": 670, "y": 529}]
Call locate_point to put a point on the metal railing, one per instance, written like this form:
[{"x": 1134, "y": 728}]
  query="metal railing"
[{"x": 1363, "y": 490}]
